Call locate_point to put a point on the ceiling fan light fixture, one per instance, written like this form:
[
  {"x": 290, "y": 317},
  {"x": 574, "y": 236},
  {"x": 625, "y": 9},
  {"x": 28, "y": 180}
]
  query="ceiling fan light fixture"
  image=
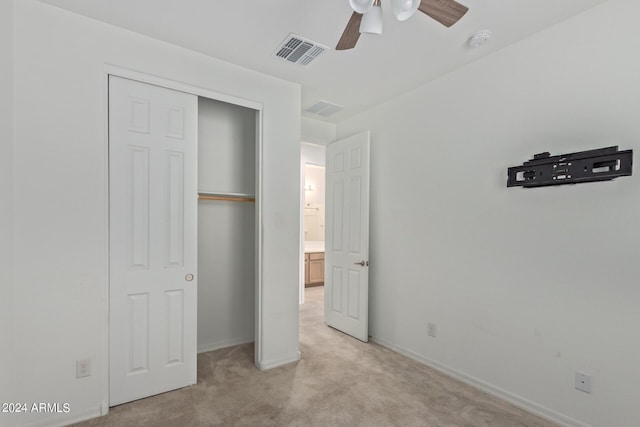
[
  {"x": 361, "y": 6},
  {"x": 367, "y": 18},
  {"x": 404, "y": 9},
  {"x": 372, "y": 21}
]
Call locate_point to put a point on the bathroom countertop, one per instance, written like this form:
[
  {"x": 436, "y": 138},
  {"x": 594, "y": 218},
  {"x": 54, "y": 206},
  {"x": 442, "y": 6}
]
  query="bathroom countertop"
[{"x": 313, "y": 246}]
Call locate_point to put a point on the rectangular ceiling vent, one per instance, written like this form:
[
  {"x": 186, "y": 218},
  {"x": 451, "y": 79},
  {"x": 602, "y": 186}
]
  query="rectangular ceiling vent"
[
  {"x": 324, "y": 108},
  {"x": 299, "y": 50}
]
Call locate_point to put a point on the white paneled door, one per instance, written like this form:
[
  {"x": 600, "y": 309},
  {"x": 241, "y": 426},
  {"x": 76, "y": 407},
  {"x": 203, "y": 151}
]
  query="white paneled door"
[
  {"x": 347, "y": 236},
  {"x": 153, "y": 239}
]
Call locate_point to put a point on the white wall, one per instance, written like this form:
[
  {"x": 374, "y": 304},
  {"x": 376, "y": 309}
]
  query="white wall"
[
  {"x": 226, "y": 147},
  {"x": 525, "y": 285},
  {"x": 6, "y": 206},
  {"x": 60, "y": 179},
  {"x": 226, "y": 291},
  {"x": 314, "y": 206},
  {"x": 313, "y": 154},
  {"x": 314, "y": 175},
  {"x": 317, "y": 132},
  {"x": 226, "y": 230}
]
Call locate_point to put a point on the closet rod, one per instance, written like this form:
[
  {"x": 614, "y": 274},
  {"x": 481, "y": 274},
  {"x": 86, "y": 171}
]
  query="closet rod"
[{"x": 226, "y": 198}]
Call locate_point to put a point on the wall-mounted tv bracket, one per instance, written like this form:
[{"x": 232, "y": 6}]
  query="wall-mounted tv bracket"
[{"x": 583, "y": 166}]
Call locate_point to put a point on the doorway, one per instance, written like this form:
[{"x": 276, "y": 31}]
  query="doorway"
[
  {"x": 346, "y": 245},
  {"x": 312, "y": 216},
  {"x": 314, "y": 225},
  {"x": 226, "y": 224}
]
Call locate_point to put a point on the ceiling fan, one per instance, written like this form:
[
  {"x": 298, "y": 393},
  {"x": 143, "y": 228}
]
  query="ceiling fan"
[{"x": 367, "y": 16}]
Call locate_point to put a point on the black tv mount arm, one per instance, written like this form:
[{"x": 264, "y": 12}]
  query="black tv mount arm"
[{"x": 583, "y": 166}]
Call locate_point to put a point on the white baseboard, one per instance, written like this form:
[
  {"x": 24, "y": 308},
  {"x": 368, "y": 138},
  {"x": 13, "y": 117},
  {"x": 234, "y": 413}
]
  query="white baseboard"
[
  {"x": 527, "y": 405},
  {"x": 270, "y": 364},
  {"x": 203, "y": 348}
]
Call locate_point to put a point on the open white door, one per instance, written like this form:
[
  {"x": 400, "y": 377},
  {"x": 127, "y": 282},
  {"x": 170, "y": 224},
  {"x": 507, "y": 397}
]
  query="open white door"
[
  {"x": 347, "y": 236},
  {"x": 153, "y": 239}
]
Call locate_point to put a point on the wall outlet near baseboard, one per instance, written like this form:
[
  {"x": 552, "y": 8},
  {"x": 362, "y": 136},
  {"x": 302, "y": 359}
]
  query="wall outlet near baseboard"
[
  {"x": 583, "y": 382},
  {"x": 83, "y": 368},
  {"x": 432, "y": 330}
]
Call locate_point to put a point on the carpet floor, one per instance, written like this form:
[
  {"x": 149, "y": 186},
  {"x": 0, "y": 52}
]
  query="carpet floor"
[{"x": 339, "y": 381}]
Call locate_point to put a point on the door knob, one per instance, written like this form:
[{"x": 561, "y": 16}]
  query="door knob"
[
  {"x": 188, "y": 277},
  {"x": 361, "y": 263}
]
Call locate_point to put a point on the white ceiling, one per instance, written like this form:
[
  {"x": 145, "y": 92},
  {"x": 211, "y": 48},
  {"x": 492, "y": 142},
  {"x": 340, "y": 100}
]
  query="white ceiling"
[{"x": 408, "y": 54}]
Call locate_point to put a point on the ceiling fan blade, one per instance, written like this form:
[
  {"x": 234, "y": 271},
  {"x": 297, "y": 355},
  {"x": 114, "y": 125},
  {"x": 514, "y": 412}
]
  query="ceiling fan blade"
[
  {"x": 446, "y": 12},
  {"x": 351, "y": 33}
]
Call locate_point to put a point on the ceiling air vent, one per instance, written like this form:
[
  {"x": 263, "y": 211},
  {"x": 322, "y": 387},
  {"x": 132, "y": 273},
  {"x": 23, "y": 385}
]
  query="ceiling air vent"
[
  {"x": 324, "y": 108},
  {"x": 299, "y": 50}
]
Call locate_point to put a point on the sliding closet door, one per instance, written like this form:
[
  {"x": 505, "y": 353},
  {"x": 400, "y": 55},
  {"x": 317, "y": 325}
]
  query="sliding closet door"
[{"x": 153, "y": 239}]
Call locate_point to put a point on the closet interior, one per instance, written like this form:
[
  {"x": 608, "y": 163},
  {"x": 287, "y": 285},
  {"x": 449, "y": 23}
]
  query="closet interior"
[{"x": 227, "y": 136}]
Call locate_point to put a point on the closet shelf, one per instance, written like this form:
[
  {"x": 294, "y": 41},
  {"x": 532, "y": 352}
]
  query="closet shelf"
[{"x": 227, "y": 197}]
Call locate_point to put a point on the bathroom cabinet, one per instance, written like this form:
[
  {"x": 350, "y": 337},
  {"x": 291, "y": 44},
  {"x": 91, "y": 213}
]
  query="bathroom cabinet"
[{"x": 313, "y": 269}]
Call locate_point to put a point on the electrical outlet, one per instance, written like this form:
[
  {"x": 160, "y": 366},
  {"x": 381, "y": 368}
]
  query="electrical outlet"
[
  {"x": 431, "y": 330},
  {"x": 583, "y": 382},
  {"x": 83, "y": 368}
]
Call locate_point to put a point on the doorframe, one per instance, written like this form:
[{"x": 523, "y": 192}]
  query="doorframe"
[{"x": 118, "y": 71}]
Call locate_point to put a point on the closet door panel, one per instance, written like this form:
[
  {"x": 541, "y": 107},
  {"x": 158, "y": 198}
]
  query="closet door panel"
[{"x": 153, "y": 239}]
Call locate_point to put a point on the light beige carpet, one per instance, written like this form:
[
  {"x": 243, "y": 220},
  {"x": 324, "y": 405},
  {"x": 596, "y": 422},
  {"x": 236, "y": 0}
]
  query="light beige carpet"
[{"x": 340, "y": 381}]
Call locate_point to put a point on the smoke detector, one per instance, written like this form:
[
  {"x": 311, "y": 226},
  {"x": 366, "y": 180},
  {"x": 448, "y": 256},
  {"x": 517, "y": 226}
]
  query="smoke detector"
[
  {"x": 299, "y": 50},
  {"x": 479, "y": 39}
]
